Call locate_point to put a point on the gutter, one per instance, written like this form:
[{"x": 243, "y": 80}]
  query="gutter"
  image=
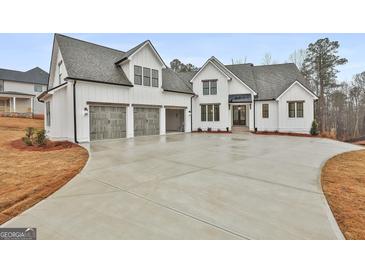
[{"x": 74, "y": 108}]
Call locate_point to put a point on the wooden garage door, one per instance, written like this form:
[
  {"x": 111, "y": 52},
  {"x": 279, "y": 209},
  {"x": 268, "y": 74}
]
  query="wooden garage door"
[
  {"x": 107, "y": 122},
  {"x": 146, "y": 121}
]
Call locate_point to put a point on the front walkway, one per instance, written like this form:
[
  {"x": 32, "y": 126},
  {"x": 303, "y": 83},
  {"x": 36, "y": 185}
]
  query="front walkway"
[{"x": 193, "y": 186}]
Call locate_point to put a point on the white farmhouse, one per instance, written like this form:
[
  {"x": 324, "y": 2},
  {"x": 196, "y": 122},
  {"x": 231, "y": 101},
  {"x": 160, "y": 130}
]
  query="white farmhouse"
[
  {"x": 95, "y": 93},
  {"x": 18, "y": 90}
]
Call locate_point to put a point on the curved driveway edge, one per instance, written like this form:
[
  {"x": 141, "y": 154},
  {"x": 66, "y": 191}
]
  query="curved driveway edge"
[{"x": 193, "y": 186}]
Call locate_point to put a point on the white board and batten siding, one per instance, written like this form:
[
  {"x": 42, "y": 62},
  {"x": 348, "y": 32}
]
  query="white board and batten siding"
[
  {"x": 270, "y": 123},
  {"x": 300, "y": 125}
]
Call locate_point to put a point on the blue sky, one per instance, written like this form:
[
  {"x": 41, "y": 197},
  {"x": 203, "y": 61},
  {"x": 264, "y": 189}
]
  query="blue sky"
[{"x": 25, "y": 51}]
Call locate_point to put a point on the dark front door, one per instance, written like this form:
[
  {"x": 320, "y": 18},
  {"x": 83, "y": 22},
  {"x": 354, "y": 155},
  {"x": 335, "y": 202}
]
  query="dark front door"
[{"x": 239, "y": 115}]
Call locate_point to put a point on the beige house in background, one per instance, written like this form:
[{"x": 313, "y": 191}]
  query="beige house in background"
[{"x": 18, "y": 91}]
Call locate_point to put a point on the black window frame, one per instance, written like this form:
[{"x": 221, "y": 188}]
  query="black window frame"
[
  {"x": 216, "y": 114},
  {"x": 137, "y": 77},
  {"x": 265, "y": 112},
  {"x": 2, "y": 85},
  {"x": 146, "y": 77},
  {"x": 211, "y": 88},
  {"x": 205, "y": 87},
  {"x": 203, "y": 113},
  {"x": 291, "y": 112},
  {"x": 300, "y": 113},
  {"x": 155, "y": 81}
]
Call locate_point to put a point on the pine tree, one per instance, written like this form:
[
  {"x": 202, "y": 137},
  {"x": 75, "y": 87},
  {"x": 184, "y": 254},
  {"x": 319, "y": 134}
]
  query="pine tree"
[{"x": 320, "y": 66}]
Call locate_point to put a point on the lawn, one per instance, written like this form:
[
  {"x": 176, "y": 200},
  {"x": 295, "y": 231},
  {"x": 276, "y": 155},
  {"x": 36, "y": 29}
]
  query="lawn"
[
  {"x": 343, "y": 182},
  {"x": 27, "y": 177}
]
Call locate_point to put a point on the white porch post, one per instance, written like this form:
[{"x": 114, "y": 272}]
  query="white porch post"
[
  {"x": 31, "y": 104},
  {"x": 162, "y": 121},
  {"x": 14, "y": 104},
  {"x": 130, "y": 121}
]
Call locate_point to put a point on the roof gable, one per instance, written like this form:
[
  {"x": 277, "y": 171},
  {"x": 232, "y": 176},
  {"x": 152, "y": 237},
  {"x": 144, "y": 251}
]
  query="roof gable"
[
  {"x": 88, "y": 61},
  {"x": 212, "y": 60},
  {"x": 129, "y": 54}
]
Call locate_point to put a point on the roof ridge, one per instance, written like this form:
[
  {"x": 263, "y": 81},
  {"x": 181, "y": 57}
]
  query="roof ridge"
[
  {"x": 13, "y": 70},
  {"x": 281, "y": 64},
  {"x": 91, "y": 43}
]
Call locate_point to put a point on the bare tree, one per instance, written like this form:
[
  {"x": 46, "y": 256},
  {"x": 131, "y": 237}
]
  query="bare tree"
[
  {"x": 267, "y": 60},
  {"x": 298, "y": 57},
  {"x": 239, "y": 61}
]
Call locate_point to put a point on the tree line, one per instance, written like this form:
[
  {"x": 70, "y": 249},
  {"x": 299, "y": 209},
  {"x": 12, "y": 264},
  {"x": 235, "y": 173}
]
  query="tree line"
[{"x": 340, "y": 109}]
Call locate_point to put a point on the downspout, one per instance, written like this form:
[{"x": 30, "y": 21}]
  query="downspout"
[
  {"x": 74, "y": 99},
  {"x": 191, "y": 113},
  {"x": 254, "y": 114}
]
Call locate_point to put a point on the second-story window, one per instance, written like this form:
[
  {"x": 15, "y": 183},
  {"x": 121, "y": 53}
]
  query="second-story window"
[
  {"x": 1, "y": 85},
  {"x": 37, "y": 88},
  {"x": 137, "y": 75},
  {"x": 155, "y": 78},
  {"x": 146, "y": 77},
  {"x": 209, "y": 87},
  {"x": 59, "y": 73}
]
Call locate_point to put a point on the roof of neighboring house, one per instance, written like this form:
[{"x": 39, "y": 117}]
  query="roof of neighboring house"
[
  {"x": 268, "y": 81},
  {"x": 33, "y": 76},
  {"x": 171, "y": 81},
  {"x": 88, "y": 61}
]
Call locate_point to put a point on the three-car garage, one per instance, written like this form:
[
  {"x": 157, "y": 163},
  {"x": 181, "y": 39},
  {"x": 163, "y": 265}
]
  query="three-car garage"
[{"x": 109, "y": 121}]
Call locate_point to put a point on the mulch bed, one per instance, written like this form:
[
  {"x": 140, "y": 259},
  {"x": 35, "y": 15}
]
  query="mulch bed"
[
  {"x": 285, "y": 134},
  {"x": 49, "y": 146}
]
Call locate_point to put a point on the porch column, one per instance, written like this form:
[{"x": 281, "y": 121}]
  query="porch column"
[
  {"x": 14, "y": 104},
  {"x": 162, "y": 120},
  {"x": 130, "y": 121},
  {"x": 31, "y": 104}
]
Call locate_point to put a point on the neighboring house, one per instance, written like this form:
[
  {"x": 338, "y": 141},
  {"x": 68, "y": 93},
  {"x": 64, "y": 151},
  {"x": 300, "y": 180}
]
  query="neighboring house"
[
  {"x": 18, "y": 91},
  {"x": 95, "y": 92}
]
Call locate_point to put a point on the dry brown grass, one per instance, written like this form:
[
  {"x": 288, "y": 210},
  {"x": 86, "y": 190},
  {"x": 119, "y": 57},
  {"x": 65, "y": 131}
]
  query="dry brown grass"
[
  {"x": 27, "y": 177},
  {"x": 343, "y": 182}
]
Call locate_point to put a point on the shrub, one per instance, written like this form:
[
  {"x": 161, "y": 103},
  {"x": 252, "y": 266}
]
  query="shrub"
[
  {"x": 199, "y": 129},
  {"x": 40, "y": 138},
  {"x": 227, "y": 129},
  {"x": 29, "y": 131},
  {"x": 314, "y": 129},
  {"x": 28, "y": 141},
  {"x": 209, "y": 129}
]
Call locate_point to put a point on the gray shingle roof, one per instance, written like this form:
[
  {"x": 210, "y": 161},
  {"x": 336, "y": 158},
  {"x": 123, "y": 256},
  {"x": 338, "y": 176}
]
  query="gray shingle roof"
[
  {"x": 88, "y": 61},
  {"x": 268, "y": 81},
  {"x": 171, "y": 81},
  {"x": 131, "y": 51},
  {"x": 34, "y": 76}
]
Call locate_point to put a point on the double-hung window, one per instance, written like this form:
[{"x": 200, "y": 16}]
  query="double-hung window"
[
  {"x": 209, "y": 87},
  {"x": 296, "y": 109},
  {"x": 210, "y": 113},
  {"x": 205, "y": 87},
  {"x": 138, "y": 75},
  {"x": 146, "y": 76},
  {"x": 155, "y": 78},
  {"x": 1, "y": 85},
  {"x": 265, "y": 110}
]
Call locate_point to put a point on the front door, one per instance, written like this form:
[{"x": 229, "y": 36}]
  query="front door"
[{"x": 239, "y": 115}]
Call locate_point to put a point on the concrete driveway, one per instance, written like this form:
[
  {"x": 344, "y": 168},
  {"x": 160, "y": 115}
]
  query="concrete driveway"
[{"x": 193, "y": 186}]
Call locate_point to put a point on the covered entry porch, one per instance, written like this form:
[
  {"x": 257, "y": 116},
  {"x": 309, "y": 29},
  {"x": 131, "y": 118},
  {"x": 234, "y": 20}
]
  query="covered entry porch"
[
  {"x": 16, "y": 102},
  {"x": 241, "y": 112}
]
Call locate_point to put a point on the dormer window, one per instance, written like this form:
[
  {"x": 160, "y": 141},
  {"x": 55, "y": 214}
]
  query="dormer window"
[
  {"x": 137, "y": 75},
  {"x": 146, "y": 77}
]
